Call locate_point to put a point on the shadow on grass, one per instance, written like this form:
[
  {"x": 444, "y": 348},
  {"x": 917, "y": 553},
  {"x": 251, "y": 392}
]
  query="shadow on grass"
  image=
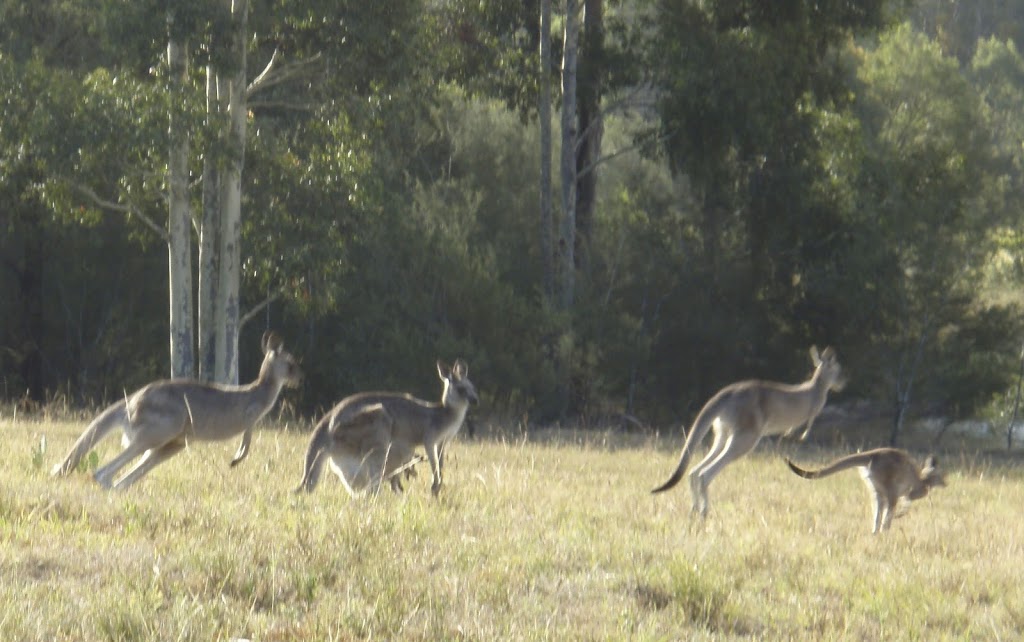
[{"x": 696, "y": 599}]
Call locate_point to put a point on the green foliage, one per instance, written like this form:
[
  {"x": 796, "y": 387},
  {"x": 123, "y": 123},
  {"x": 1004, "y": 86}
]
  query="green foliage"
[
  {"x": 814, "y": 185},
  {"x": 960, "y": 26},
  {"x": 928, "y": 164},
  {"x": 89, "y": 463},
  {"x": 39, "y": 454},
  {"x": 432, "y": 284}
]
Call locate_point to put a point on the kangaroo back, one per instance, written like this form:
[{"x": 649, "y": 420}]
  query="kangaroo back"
[
  {"x": 113, "y": 417},
  {"x": 843, "y": 463},
  {"x": 701, "y": 425}
]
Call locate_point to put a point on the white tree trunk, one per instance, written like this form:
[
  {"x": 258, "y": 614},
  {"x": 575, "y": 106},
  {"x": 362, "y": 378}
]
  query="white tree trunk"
[
  {"x": 231, "y": 204},
  {"x": 179, "y": 221}
]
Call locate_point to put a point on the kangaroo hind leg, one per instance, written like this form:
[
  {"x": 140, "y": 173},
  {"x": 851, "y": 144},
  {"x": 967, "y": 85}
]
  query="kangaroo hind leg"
[
  {"x": 736, "y": 444},
  {"x": 150, "y": 460},
  {"x": 105, "y": 475},
  {"x": 698, "y": 487}
]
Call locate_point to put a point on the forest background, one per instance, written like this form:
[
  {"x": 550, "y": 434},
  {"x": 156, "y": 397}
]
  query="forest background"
[{"x": 374, "y": 181}]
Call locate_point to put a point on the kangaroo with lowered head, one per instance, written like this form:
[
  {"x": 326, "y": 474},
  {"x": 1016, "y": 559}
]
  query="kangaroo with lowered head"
[
  {"x": 890, "y": 475},
  {"x": 743, "y": 412},
  {"x": 159, "y": 419},
  {"x": 370, "y": 437}
]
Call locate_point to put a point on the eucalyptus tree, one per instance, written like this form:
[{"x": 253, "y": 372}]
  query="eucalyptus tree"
[{"x": 164, "y": 110}]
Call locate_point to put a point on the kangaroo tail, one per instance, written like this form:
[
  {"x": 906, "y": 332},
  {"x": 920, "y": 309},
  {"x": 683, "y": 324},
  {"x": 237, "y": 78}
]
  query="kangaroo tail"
[
  {"x": 113, "y": 417},
  {"x": 843, "y": 463},
  {"x": 314, "y": 455},
  {"x": 700, "y": 427}
]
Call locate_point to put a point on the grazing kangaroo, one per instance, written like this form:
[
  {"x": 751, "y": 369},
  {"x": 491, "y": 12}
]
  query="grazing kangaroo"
[
  {"x": 159, "y": 419},
  {"x": 743, "y": 412},
  {"x": 370, "y": 437},
  {"x": 890, "y": 474}
]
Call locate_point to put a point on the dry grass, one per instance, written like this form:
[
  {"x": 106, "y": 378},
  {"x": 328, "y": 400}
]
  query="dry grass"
[{"x": 530, "y": 540}]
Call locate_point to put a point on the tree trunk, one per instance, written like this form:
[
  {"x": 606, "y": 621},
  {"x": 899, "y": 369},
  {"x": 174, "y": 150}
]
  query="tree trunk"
[
  {"x": 209, "y": 244},
  {"x": 179, "y": 222},
  {"x": 544, "y": 115},
  {"x": 591, "y": 128},
  {"x": 230, "y": 232},
  {"x": 1016, "y": 403},
  {"x": 566, "y": 273},
  {"x": 567, "y": 240},
  {"x": 209, "y": 273}
]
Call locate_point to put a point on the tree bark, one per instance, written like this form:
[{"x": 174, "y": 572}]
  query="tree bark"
[
  {"x": 1016, "y": 403},
  {"x": 567, "y": 240},
  {"x": 209, "y": 244},
  {"x": 591, "y": 128},
  {"x": 544, "y": 115},
  {"x": 179, "y": 221},
  {"x": 230, "y": 231}
]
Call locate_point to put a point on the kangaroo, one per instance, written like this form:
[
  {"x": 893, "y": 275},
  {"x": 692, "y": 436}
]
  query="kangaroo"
[
  {"x": 160, "y": 418},
  {"x": 743, "y": 412},
  {"x": 890, "y": 474},
  {"x": 370, "y": 437}
]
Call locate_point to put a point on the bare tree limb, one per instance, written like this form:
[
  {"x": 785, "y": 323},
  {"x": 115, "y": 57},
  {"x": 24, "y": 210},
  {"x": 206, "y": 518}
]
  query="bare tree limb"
[
  {"x": 280, "y": 104},
  {"x": 619, "y": 152},
  {"x": 262, "y": 77},
  {"x": 274, "y": 74},
  {"x": 115, "y": 206},
  {"x": 259, "y": 307},
  {"x": 619, "y": 105}
]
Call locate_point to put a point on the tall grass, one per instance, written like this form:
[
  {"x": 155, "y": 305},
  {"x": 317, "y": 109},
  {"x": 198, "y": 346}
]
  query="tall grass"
[{"x": 529, "y": 540}]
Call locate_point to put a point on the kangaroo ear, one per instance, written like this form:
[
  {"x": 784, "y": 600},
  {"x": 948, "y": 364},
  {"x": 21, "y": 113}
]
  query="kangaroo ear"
[
  {"x": 932, "y": 462},
  {"x": 443, "y": 370},
  {"x": 828, "y": 354},
  {"x": 815, "y": 357},
  {"x": 460, "y": 369},
  {"x": 271, "y": 341}
]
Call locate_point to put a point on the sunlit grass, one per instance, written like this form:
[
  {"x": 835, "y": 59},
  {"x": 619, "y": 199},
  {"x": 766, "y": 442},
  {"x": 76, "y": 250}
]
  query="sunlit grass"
[{"x": 548, "y": 538}]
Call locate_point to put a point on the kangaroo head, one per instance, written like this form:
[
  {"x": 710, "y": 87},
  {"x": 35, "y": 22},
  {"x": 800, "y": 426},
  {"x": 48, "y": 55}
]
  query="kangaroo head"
[
  {"x": 458, "y": 389},
  {"x": 827, "y": 368},
  {"x": 278, "y": 363}
]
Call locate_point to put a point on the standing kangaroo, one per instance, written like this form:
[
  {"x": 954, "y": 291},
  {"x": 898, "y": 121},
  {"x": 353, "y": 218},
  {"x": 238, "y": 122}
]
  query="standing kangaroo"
[
  {"x": 370, "y": 437},
  {"x": 890, "y": 475},
  {"x": 159, "y": 419},
  {"x": 743, "y": 412}
]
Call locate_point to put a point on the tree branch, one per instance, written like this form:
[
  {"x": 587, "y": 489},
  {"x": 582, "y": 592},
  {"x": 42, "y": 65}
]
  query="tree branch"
[
  {"x": 586, "y": 169},
  {"x": 621, "y": 104},
  {"x": 262, "y": 77},
  {"x": 280, "y": 104},
  {"x": 114, "y": 206},
  {"x": 259, "y": 307},
  {"x": 274, "y": 74}
]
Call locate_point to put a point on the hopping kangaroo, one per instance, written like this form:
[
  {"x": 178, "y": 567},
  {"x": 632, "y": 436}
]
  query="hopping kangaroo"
[
  {"x": 890, "y": 474},
  {"x": 159, "y": 419},
  {"x": 743, "y": 412},
  {"x": 370, "y": 437}
]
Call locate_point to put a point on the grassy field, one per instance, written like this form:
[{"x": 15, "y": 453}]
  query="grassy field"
[{"x": 542, "y": 539}]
